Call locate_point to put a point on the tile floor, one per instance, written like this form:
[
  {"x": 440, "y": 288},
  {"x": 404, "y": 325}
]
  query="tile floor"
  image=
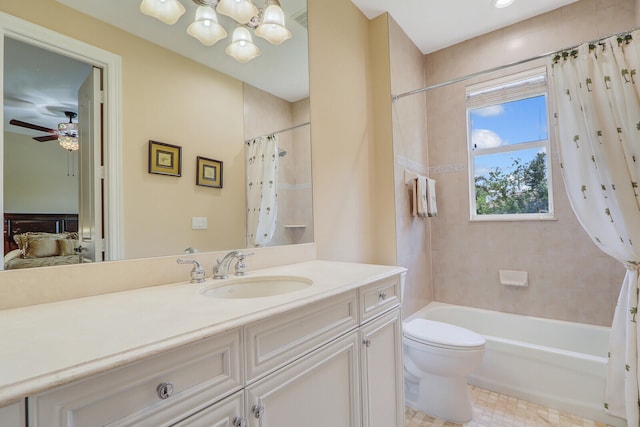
[{"x": 491, "y": 409}]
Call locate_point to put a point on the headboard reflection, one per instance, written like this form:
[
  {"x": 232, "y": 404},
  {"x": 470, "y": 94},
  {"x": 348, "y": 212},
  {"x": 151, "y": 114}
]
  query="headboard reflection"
[{"x": 18, "y": 223}]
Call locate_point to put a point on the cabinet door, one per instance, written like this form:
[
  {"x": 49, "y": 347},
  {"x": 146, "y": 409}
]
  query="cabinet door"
[
  {"x": 321, "y": 389},
  {"x": 13, "y": 415},
  {"x": 227, "y": 413},
  {"x": 382, "y": 381}
]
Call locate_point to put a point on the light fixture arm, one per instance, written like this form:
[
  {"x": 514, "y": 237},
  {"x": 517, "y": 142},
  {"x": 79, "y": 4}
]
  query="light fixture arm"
[
  {"x": 254, "y": 21},
  {"x": 257, "y": 19},
  {"x": 212, "y": 3}
]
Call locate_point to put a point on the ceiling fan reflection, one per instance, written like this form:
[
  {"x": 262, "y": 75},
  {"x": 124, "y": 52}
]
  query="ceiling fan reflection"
[{"x": 68, "y": 130}]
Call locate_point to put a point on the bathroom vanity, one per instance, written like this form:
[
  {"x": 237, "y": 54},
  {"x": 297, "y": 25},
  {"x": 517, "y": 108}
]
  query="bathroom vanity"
[{"x": 328, "y": 354}]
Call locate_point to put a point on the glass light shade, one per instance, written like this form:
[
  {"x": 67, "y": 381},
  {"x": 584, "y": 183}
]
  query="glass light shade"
[
  {"x": 168, "y": 11},
  {"x": 272, "y": 27},
  {"x": 502, "y": 3},
  {"x": 68, "y": 129},
  {"x": 242, "y": 48},
  {"x": 69, "y": 142},
  {"x": 205, "y": 28},
  {"x": 240, "y": 10}
]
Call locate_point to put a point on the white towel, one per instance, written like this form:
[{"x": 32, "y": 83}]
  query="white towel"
[
  {"x": 421, "y": 202},
  {"x": 432, "y": 209}
]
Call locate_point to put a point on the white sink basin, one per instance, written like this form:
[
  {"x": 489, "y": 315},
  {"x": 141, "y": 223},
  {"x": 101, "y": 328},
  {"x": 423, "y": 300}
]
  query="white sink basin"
[{"x": 257, "y": 287}]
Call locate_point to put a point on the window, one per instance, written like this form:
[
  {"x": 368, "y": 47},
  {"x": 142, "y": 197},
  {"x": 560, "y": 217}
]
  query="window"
[{"x": 508, "y": 140}]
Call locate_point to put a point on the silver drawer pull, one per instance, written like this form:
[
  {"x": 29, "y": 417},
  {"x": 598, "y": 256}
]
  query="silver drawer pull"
[
  {"x": 239, "y": 422},
  {"x": 257, "y": 411},
  {"x": 165, "y": 390},
  {"x": 382, "y": 296}
]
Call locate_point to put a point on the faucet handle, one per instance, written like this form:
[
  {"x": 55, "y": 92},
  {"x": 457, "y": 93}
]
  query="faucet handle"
[
  {"x": 197, "y": 273},
  {"x": 241, "y": 267}
]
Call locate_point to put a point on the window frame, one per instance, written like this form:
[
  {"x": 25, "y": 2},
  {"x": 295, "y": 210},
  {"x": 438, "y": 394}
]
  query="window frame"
[{"x": 510, "y": 88}]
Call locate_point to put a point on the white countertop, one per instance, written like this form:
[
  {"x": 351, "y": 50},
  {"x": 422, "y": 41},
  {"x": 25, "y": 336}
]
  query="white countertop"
[{"x": 46, "y": 345}]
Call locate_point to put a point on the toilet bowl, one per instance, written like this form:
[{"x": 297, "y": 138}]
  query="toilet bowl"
[{"x": 437, "y": 359}]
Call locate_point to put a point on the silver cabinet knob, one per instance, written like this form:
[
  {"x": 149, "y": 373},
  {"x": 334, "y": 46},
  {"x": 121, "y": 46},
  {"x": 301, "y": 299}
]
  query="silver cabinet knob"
[
  {"x": 257, "y": 410},
  {"x": 165, "y": 390},
  {"x": 367, "y": 342},
  {"x": 239, "y": 422},
  {"x": 382, "y": 296}
]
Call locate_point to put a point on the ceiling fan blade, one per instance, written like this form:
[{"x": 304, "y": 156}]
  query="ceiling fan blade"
[
  {"x": 46, "y": 138},
  {"x": 30, "y": 126}
]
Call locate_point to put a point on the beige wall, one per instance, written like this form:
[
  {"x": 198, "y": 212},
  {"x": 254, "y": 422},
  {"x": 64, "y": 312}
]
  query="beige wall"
[
  {"x": 410, "y": 151},
  {"x": 341, "y": 131},
  {"x": 40, "y": 177},
  {"x": 166, "y": 98},
  {"x": 569, "y": 278}
]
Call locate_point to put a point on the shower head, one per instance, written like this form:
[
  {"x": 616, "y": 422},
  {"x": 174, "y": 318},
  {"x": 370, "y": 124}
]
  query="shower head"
[{"x": 282, "y": 153}]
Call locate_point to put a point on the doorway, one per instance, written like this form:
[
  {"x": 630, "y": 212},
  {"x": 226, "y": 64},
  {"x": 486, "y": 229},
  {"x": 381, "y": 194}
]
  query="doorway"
[{"x": 14, "y": 30}]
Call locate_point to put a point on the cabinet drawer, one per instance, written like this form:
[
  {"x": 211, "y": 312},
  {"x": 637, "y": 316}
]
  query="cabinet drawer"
[
  {"x": 222, "y": 414},
  {"x": 379, "y": 297},
  {"x": 271, "y": 343},
  {"x": 196, "y": 376}
]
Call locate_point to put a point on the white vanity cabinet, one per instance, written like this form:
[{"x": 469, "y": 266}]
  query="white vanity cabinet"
[
  {"x": 157, "y": 391},
  {"x": 382, "y": 376},
  {"x": 319, "y": 390},
  {"x": 13, "y": 415},
  {"x": 336, "y": 361},
  {"x": 227, "y": 413},
  {"x": 381, "y": 355}
]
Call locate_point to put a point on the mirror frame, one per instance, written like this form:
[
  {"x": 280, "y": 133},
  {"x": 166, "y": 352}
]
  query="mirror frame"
[{"x": 111, "y": 64}]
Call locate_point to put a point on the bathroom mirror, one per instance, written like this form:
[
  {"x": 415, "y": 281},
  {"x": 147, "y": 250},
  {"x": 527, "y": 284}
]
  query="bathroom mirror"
[{"x": 185, "y": 103}]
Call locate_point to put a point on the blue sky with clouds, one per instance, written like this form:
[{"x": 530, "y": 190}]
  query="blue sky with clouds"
[{"x": 505, "y": 124}]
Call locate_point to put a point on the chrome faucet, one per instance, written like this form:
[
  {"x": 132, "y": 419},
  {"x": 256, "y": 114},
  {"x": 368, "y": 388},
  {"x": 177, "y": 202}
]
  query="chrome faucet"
[
  {"x": 221, "y": 269},
  {"x": 197, "y": 273}
]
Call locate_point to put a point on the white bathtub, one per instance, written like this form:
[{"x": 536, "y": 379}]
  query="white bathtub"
[{"x": 555, "y": 363}]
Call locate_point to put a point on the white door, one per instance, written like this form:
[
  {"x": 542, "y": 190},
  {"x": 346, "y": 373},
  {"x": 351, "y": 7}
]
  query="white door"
[
  {"x": 382, "y": 375},
  {"x": 90, "y": 229},
  {"x": 320, "y": 390}
]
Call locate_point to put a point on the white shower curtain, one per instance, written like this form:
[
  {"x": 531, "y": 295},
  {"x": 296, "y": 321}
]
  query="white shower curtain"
[
  {"x": 262, "y": 189},
  {"x": 597, "y": 93}
]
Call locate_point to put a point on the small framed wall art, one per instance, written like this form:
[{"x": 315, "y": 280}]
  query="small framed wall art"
[
  {"x": 165, "y": 159},
  {"x": 209, "y": 172}
]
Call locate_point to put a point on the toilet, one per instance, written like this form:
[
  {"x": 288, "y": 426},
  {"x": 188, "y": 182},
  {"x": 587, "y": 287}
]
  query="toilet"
[{"x": 438, "y": 357}]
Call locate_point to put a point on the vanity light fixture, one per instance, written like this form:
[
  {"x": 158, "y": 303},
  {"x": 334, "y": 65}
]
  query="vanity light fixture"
[
  {"x": 267, "y": 22},
  {"x": 206, "y": 28},
  {"x": 242, "y": 48},
  {"x": 499, "y": 4},
  {"x": 168, "y": 11}
]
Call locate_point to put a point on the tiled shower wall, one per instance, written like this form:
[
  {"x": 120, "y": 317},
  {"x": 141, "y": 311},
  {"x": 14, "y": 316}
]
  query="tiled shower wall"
[
  {"x": 410, "y": 152},
  {"x": 265, "y": 114},
  {"x": 569, "y": 277}
]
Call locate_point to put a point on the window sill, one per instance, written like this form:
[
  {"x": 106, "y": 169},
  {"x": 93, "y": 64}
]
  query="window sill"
[{"x": 512, "y": 218}]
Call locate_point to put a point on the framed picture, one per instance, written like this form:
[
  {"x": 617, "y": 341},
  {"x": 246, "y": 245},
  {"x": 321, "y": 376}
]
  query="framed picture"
[
  {"x": 209, "y": 172},
  {"x": 165, "y": 159}
]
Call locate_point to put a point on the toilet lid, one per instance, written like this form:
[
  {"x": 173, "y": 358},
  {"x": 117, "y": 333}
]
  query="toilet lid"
[{"x": 441, "y": 334}]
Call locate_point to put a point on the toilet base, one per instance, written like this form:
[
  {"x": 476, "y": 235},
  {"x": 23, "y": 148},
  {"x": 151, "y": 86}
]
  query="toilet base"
[{"x": 446, "y": 398}]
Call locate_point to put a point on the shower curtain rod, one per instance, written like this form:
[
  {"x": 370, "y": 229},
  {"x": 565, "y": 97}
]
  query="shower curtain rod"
[
  {"x": 394, "y": 98},
  {"x": 280, "y": 131}
]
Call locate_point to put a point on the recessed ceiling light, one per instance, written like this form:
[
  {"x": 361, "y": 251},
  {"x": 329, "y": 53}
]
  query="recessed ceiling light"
[{"x": 502, "y": 3}]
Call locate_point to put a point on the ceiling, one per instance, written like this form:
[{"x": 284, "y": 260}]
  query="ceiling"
[
  {"x": 290, "y": 59},
  {"x": 434, "y": 25},
  {"x": 39, "y": 86},
  {"x": 42, "y": 95}
]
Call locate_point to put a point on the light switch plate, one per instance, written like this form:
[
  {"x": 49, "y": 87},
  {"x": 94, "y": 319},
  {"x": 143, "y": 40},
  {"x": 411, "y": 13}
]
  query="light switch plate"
[{"x": 199, "y": 223}]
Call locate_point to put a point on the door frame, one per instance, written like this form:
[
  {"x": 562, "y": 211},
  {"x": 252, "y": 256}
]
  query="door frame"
[{"x": 111, "y": 64}]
